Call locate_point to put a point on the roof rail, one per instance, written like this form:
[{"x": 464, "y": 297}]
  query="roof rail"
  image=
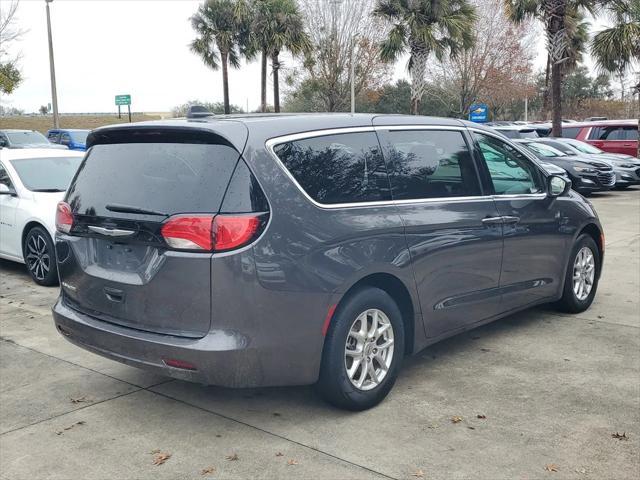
[{"x": 198, "y": 111}]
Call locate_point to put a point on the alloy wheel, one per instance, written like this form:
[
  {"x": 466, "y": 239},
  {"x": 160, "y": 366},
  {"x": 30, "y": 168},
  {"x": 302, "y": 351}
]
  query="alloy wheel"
[
  {"x": 38, "y": 257},
  {"x": 369, "y": 349},
  {"x": 584, "y": 269}
]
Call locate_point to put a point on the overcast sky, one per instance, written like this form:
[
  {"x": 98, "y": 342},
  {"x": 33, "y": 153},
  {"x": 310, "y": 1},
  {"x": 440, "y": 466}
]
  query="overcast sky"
[{"x": 108, "y": 47}]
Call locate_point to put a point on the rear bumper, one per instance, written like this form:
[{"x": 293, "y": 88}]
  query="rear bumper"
[{"x": 222, "y": 357}]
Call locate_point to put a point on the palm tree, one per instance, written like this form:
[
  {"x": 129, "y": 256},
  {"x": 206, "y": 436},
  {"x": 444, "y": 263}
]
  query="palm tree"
[
  {"x": 217, "y": 25},
  {"x": 423, "y": 27},
  {"x": 616, "y": 48},
  {"x": 557, "y": 17},
  {"x": 277, "y": 26}
]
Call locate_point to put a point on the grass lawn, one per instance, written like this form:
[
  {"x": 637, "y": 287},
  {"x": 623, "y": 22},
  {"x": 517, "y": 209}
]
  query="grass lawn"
[{"x": 44, "y": 123}]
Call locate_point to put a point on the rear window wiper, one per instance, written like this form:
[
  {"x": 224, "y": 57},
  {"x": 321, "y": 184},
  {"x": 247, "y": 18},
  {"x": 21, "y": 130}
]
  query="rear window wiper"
[
  {"x": 51, "y": 190},
  {"x": 130, "y": 209}
]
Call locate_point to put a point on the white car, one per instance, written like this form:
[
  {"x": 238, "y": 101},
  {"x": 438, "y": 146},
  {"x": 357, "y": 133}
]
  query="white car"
[{"x": 32, "y": 182}]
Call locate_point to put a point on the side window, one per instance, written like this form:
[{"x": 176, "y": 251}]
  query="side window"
[
  {"x": 429, "y": 164},
  {"x": 511, "y": 172},
  {"x": 54, "y": 137},
  {"x": 340, "y": 168},
  {"x": 607, "y": 133},
  {"x": 65, "y": 139},
  {"x": 631, "y": 133},
  {"x": 4, "y": 177}
]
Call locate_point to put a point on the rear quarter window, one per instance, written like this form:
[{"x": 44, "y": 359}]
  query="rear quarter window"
[
  {"x": 165, "y": 177},
  {"x": 339, "y": 168}
]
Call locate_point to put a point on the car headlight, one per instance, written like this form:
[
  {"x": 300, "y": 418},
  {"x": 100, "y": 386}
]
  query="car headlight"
[{"x": 584, "y": 169}]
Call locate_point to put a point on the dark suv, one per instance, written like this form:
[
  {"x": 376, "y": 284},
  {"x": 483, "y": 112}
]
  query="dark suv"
[{"x": 300, "y": 249}]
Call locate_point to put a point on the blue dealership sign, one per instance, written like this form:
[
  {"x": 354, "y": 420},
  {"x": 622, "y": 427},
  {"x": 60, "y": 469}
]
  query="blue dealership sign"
[{"x": 479, "y": 113}]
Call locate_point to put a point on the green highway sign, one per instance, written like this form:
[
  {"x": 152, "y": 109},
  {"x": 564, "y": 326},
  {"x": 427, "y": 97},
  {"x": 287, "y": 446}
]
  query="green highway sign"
[{"x": 123, "y": 99}]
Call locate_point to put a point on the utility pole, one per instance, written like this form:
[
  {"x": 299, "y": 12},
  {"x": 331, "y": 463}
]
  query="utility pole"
[
  {"x": 353, "y": 78},
  {"x": 54, "y": 92},
  {"x": 526, "y": 109}
]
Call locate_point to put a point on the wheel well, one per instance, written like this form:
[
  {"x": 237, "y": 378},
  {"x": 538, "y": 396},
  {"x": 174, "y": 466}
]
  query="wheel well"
[
  {"x": 398, "y": 291},
  {"x": 27, "y": 229},
  {"x": 594, "y": 232}
]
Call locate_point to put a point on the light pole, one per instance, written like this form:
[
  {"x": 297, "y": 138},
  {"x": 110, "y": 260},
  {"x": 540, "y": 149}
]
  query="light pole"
[{"x": 54, "y": 92}]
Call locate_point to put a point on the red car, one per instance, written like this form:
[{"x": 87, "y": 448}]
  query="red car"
[{"x": 613, "y": 136}]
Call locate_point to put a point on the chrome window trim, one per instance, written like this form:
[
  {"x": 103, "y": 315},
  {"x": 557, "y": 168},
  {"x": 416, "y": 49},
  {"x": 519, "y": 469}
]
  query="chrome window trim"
[{"x": 271, "y": 143}]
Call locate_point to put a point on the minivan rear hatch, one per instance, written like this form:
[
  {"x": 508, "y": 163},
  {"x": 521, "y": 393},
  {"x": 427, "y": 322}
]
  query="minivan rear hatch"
[{"x": 114, "y": 263}]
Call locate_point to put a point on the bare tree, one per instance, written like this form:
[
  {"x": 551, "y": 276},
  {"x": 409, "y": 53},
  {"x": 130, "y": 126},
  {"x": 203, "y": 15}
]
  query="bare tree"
[
  {"x": 496, "y": 69},
  {"x": 341, "y": 32},
  {"x": 10, "y": 76}
]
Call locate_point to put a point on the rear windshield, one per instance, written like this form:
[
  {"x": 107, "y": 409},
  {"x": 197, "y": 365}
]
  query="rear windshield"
[
  {"x": 164, "y": 177},
  {"x": 570, "y": 132},
  {"x": 79, "y": 137},
  {"x": 528, "y": 134},
  {"x": 46, "y": 173},
  {"x": 26, "y": 138}
]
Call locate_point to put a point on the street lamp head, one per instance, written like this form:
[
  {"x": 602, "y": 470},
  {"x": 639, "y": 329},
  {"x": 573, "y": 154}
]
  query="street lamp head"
[{"x": 48, "y": 1}]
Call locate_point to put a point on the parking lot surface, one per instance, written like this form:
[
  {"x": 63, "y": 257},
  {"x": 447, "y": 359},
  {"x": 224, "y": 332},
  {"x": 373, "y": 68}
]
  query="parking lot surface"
[{"x": 535, "y": 395}]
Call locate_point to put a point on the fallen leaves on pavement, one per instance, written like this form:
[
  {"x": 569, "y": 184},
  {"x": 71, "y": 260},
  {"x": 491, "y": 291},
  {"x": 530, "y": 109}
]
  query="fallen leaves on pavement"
[
  {"x": 418, "y": 473},
  {"x": 551, "y": 467},
  {"x": 60, "y": 432},
  {"x": 279, "y": 454},
  {"x": 160, "y": 457},
  {"x": 456, "y": 419},
  {"x": 233, "y": 457},
  {"x": 620, "y": 437},
  {"x": 207, "y": 471},
  {"x": 481, "y": 417},
  {"x": 82, "y": 399},
  {"x": 291, "y": 462}
]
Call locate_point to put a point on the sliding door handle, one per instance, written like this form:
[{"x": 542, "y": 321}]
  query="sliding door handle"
[
  {"x": 492, "y": 221},
  {"x": 507, "y": 219}
]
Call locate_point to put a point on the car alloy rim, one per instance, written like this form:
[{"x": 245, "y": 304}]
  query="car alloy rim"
[
  {"x": 584, "y": 270},
  {"x": 369, "y": 350},
  {"x": 38, "y": 258}
]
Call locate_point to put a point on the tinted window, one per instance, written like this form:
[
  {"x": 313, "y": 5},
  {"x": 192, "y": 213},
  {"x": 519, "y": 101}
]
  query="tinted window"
[
  {"x": 429, "y": 164},
  {"x": 46, "y": 173},
  {"x": 54, "y": 137},
  {"x": 607, "y": 133},
  {"x": 571, "y": 132},
  {"x": 510, "y": 171},
  {"x": 166, "y": 177},
  {"x": 631, "y": 133},
  {"x": 528, "y": 134},
  {"x": 510, "y": 133},
  {"x": 341, "y": 168},
  {"x": 244, "y": 194},
  {"x": 563, "y": 147}
]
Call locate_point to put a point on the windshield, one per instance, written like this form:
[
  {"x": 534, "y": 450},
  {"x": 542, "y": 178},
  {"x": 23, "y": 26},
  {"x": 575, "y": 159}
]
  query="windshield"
[
  {"x": 585, "y": 147},
  {"x": 545, "y": 150},
  {"x": 528, "y": 134},
  {"x": 79, "y": 137},
  {"x": 52, "y": 174},
  {"x": 26, "y": 138}
]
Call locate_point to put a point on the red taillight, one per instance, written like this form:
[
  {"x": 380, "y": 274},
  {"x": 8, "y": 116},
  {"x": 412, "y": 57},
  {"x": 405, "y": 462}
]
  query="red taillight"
[
  {"x": 231, "y": 231},
  {"x": 64, "y": 217},
  {"x": 192, "y": 232},
  {"x": 209, "y": 232}
]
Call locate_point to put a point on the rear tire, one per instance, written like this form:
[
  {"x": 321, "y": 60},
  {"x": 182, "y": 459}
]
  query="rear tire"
[
  {"x": 40, "y": 258},
  {"x": 360, "y": 363},
  {"x": 580, "y": 285}
]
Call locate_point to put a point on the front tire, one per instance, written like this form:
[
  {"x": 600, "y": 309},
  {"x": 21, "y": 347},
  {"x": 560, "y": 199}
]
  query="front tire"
[
  {"x": 363, "y": 350},
  {"x": 40, "y": 258},
  {"x": 581, "y": 279}
]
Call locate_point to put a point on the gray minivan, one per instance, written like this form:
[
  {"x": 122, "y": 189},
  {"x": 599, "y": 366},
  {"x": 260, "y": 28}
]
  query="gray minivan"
[{"x": 296, "y": 249}]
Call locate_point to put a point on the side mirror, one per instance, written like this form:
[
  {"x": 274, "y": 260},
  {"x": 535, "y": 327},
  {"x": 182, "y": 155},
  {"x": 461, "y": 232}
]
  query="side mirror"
[
  {"x": 557, "y": 185},
  {"x": 5, "y": 190}
]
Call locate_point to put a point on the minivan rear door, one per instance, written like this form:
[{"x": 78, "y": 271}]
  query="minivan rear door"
[
  {"x": 453, "y": 232},
  {"x": 114, "y": 264}
]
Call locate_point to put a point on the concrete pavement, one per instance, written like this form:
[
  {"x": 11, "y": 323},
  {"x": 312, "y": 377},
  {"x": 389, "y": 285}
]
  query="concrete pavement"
[{"x": 553, "y": 388}]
